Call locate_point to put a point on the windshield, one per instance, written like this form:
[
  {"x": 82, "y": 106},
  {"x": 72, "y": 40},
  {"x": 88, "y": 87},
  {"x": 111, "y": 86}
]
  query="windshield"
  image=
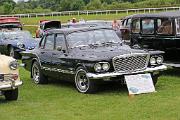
[
  {"x": 94, "y": 37},
  {"x": 16, "y": 35}
]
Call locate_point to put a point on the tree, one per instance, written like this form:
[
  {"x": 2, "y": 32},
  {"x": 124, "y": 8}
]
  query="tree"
[
  {"x": 94, "y": 4},
  {"x": 77, "y": 5}
]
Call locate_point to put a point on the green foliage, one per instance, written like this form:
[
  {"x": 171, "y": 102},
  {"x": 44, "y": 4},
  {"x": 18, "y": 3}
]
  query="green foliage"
[{"x": 35, "y": 6}]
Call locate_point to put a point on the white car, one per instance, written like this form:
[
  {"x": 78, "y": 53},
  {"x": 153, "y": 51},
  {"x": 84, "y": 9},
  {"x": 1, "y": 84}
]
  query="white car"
[{"x": 9, "y": 77}]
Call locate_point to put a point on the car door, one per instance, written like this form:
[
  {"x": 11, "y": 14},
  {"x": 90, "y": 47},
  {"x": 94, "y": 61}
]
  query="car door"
[
  {"x": 60, "y": 62},
  {"x": 45, "y": 53},
  {"x": 165, "y": 34},
  {"x": 135, "y": 32}
]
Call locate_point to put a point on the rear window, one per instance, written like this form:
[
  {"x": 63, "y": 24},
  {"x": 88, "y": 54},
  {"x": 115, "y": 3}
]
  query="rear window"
[
  {"x": 164, "y": 26},
  {"x": 148, "y": 26}
]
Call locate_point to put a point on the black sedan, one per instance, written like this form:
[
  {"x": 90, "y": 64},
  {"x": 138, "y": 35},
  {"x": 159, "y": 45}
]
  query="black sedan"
[{"x": 87, "y": 56}]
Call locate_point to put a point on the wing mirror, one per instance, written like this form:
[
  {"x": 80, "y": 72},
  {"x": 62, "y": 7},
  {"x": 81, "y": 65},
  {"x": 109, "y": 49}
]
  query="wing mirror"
[{"x": 59, "y": 48}]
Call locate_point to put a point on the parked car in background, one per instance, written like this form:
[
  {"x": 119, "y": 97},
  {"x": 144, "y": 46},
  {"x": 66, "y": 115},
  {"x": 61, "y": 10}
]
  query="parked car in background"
[
  {"x": 89, "y": 23},
  {"x": 87, "y": 56},
  {"x": 44, "y": 25},
  {"x": 11, "y": 43},
  {"x": 159, "y": 31},
  {"x": 9, "y": 77},
  {"x": 10, "y": 23}
]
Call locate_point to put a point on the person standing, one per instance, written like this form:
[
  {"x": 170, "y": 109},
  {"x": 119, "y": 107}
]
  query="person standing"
[{"x": 115, "y": 25}]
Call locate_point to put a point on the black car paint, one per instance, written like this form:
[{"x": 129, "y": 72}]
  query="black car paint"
[
  {"x": 59, "y": 64},
  {"x": 170, "y": 43}
]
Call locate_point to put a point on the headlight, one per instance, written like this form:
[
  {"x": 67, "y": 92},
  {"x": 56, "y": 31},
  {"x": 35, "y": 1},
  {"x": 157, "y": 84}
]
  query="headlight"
[
  {"x": 159, "y": 60},
  {"x": 105, "y": 66},
  {"x": 152, "y": 61},
  {"x": 20, "y": 45},
  {"x": 13, "y": 65},
  {"x": 97, "y": 67}
]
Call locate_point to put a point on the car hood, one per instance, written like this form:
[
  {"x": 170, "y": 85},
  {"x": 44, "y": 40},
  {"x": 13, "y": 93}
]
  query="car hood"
[
  {"x": 28, "y": 42},
  {"x": 102, "y": 53}
]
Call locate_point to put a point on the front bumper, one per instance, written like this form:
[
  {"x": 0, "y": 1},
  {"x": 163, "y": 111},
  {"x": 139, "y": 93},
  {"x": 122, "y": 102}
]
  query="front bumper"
[
  {"x": 115, "y": 74},
  {"x": 10, "y": 85}
]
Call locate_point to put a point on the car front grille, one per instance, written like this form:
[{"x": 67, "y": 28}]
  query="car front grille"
[{"x": 130, "y": 62}]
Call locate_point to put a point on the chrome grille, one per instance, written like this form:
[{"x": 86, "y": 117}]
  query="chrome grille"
[{"x": 130, "y": 62}]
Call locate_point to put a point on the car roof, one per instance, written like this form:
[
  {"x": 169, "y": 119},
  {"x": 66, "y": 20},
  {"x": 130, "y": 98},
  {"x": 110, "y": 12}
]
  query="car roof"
[
  {"x": 170, "y": 14},
  {"x": 71, "y": 30}
]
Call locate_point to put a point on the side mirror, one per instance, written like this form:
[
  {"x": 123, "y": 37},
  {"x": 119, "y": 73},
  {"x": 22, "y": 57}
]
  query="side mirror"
[{"x": 59, "y": 48}]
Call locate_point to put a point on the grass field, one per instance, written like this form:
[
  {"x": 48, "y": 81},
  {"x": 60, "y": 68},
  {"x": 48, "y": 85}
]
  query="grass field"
[{"x": 61, "y": 101}]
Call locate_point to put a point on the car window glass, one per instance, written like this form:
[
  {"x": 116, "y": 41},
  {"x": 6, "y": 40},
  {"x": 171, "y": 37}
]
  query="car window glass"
[
  {"x": 128, "y": 23},
  {"x": 164, "y": 26},
  {"x": 147, "y": 26},
  {"x": 49, "y": 42},
  {"x": 178, "y": 25},
  {"x": 124, "y": 23},
  {"x": 136, "y": 26},
  {"x": 97, "y": 37},
  {"x": 60, "y": 41}
]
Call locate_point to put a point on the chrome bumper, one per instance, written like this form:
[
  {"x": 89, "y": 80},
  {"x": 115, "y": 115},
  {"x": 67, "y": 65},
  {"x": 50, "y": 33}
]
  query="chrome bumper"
[
  {"x": 11, "y": 85},
  {"x": 115, "y": 74}
]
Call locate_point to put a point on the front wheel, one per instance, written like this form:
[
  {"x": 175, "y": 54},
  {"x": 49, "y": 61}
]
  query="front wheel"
[
  {"x": 83, "y": 83},
  {"x": 37, "y": 75},
  {"x": 11, "y": 94}
]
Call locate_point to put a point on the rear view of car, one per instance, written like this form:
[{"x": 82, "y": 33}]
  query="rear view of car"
[{"x": 10, "y": 23}]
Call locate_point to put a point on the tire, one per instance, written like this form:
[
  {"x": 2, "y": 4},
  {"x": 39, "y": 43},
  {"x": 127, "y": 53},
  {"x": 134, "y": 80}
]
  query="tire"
[
  {"x": 84, "y": 84},
  {"x": 155, "y": 79},
  {"x": 11, "y": 94},
  {"x": 37, "y": 74}
]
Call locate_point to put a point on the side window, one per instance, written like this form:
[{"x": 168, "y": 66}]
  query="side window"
[
  {"x": 49, "y": 42},
  {"x": 136, "y": 26},
  {"x": 164, "y": 26},
  {"x": 60, "y": 41},
  {"x": 128, "y": 24},
  {"x": 124, "y": 23},
  {"x": 178, "y": 26},
  {"x": 148, "y": 26}
]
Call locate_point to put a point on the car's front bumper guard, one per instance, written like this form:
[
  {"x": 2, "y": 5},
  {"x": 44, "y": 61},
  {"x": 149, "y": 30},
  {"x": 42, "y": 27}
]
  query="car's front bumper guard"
[
  {"x": 11, "y": 85},
  {"x": 115, "y": 74}
]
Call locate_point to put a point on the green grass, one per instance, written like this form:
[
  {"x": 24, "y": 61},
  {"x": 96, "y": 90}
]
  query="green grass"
[{"x": 60, "y": 100}]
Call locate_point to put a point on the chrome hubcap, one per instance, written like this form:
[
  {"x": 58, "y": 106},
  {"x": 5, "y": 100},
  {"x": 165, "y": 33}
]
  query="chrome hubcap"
[{"x": 82, "y": 82}]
